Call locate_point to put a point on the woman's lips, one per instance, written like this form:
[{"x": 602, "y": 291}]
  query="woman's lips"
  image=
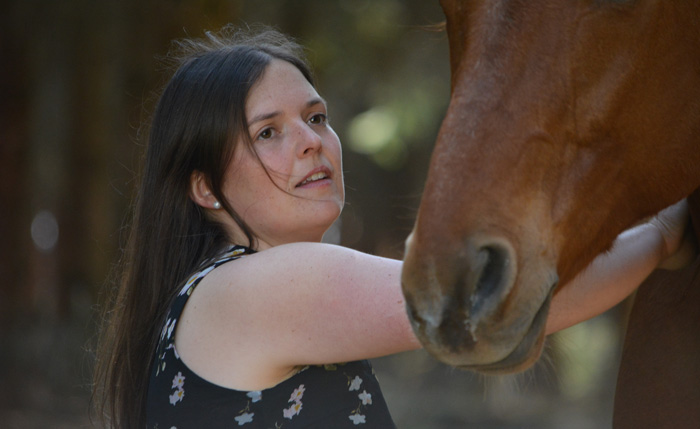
[{"x": 318, "y": 175}]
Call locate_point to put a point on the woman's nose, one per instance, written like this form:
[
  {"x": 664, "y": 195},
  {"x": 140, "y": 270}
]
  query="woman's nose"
[{"x": 307, "y": 140}]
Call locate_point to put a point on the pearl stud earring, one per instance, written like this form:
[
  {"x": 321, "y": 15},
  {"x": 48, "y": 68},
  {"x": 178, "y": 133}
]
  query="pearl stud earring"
[{"x": 217, "y": 205}]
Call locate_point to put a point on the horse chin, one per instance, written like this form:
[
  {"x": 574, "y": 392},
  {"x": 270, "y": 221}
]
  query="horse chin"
[
  {"x": 522, "y": 356},
  {"x": 520, "y": 359}
]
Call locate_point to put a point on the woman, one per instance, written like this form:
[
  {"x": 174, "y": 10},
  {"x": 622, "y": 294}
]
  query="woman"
[{"x": 242, "y": 165}]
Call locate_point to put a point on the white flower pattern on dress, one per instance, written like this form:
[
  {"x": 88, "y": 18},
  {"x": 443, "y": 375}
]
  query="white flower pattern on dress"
[
  {"x": 297, "y": 394},
  {"x": 178, "y": 381},
  {"x": 365, "y": 397},
  {"x": 355, "y": 383},
  {"x": 357, "y": 418},
  {"x": 168, "y": 328},
  {"x": 295, "y": 408},
  {"x": 292, "y": 411},
  {"x": 244, "y": 418},
  {"x": 178, "y": 385},
  {"x": 255, "y": 396},
  {"x": 177, "y": 396}
]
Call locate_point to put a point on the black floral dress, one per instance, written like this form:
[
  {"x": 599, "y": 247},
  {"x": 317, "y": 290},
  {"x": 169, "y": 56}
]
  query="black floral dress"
[{"x": 327, "y": 396}]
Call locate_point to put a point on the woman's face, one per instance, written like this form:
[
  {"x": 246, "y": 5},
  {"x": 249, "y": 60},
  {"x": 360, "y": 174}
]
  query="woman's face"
[{"x": 288, "y": 125}]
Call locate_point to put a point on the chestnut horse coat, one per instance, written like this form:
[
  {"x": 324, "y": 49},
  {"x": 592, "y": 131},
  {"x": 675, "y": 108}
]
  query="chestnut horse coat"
[{"x": 569, "y": 122}]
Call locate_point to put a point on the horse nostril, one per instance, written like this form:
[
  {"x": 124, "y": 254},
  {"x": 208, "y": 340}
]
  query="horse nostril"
[
  {"x": 486, "y": 276},
  {"x": 494, "y": 262}
]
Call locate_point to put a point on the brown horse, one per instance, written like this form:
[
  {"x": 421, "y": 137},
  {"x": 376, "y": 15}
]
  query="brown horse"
[{"x": 569, "y": 122}]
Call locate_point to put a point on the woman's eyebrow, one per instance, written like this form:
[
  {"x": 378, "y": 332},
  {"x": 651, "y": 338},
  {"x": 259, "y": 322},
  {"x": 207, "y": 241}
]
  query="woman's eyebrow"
[
  {"x": 265, "y": 116},
  {"x": 314, "y": 101}
]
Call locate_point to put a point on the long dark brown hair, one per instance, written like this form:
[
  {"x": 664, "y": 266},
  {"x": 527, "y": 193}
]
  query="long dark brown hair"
[{"x": 197, "y": 121}]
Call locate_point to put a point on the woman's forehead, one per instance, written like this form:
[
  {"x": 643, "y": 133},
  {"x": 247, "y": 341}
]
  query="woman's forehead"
[{"x": 281, "y": 84}]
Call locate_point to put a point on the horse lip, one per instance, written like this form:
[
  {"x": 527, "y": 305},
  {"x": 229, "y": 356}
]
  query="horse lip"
[
  {"x": 321, "y": 169},
  {"x": 524, "y": 349}
]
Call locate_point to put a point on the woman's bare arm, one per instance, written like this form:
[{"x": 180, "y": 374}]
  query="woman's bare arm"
[{"x": 614, "y": 275}]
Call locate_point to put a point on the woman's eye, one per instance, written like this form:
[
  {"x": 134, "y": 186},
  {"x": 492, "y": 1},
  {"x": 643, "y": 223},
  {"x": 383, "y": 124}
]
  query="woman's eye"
[
  {"x": 318, "y": 119},
  {"x": 265, "y": 134}
]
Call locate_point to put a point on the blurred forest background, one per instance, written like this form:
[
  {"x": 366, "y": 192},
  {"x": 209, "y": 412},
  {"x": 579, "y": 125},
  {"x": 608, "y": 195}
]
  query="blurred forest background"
[{"x": 78, "y": 79}]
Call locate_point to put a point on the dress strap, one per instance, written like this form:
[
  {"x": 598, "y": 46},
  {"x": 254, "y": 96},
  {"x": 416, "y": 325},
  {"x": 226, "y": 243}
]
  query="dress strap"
[
  {"x": 233, "y": 252},
  {"x": 178, "y": 304}
]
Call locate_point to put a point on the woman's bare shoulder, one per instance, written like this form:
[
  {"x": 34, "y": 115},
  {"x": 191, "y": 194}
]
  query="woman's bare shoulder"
[{"x": 295, "y": 304}]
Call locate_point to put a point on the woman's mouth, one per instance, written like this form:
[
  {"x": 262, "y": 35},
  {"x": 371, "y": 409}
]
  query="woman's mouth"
[{"x": 315, "y": 176}]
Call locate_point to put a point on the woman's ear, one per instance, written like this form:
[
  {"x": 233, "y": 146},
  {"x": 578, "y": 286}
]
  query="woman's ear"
[{"x": 200, "y": 192}]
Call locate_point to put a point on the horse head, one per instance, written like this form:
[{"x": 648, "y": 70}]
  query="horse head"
[{"x": 569, "y": 121}]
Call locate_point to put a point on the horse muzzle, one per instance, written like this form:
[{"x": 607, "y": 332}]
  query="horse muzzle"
[{"x": 472, "y": 307}]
